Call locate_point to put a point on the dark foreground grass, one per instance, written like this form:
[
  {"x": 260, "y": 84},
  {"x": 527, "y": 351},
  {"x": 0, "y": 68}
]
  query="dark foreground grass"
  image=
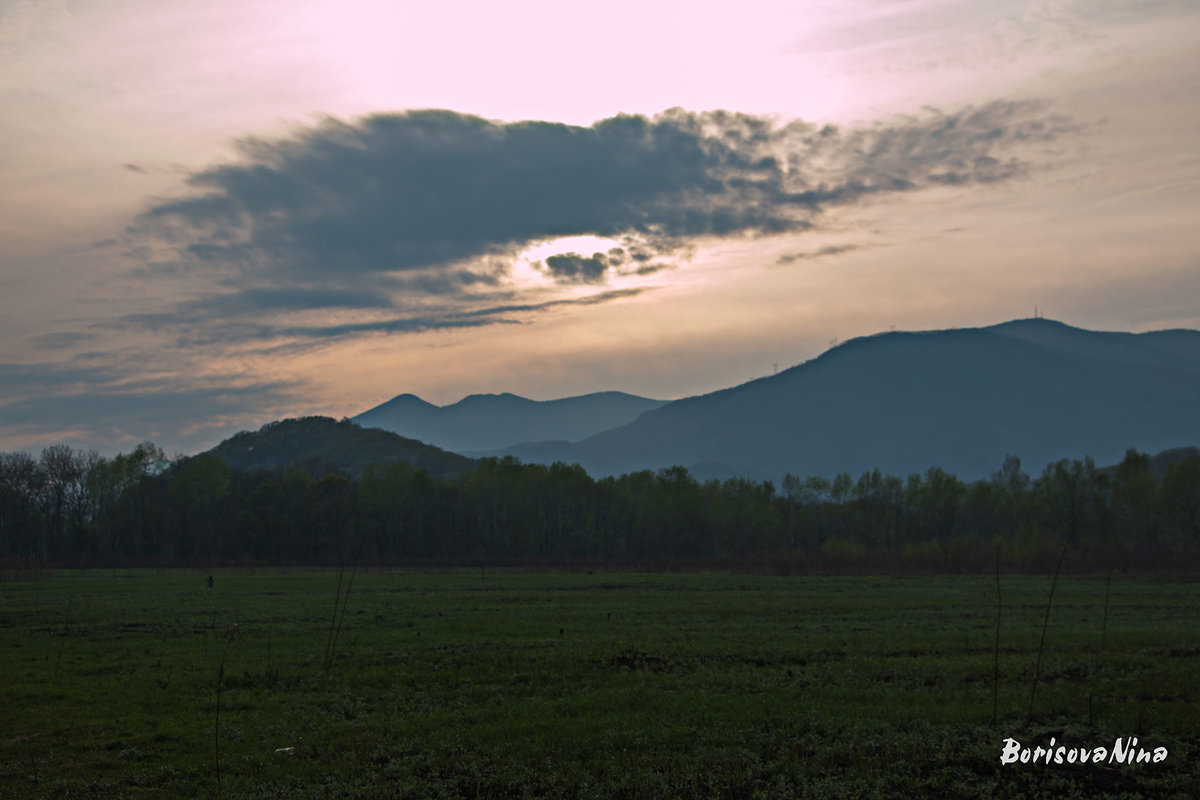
[{"x": 454, "y": 684}]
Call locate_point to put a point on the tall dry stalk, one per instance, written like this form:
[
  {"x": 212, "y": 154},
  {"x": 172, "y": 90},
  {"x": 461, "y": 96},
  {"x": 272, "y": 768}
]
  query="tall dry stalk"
[
  {"x": 1104, "y": 624},
  {"x": 62, "y": 641},
  {"x": 1037, "y": 667},
  {"x": 340, "y": 602},
  {"x": 217, "y": 714},
  {"x": 337, "y": 596},
  {"x": 996, "y": 650},
  {"x": 342, "y": 616}
]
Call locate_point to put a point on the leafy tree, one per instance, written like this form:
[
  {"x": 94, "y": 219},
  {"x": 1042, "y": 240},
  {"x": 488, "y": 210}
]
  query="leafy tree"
[
  {"x": 119, "y": 491},
  {"x": 1136, "y": 503},
  {"x": 1070, "y": 499},
  {"x": 331, "y": 505},
  {"x": 936, "y": 500},
  {"x": 1181, "y": 497},
  {"x": 265, "y": 516},
  {"x": 22, "y": 483},
  {"x": 64, "y": 470},
  {"x": 197, "y": 488}
]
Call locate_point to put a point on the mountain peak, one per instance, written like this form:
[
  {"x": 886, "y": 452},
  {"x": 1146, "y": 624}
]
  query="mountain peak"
[
  {"x": 1030, "y": 321},
  {"x": 322, "y": 444},
  {"x": 1031, "y": 324},
  {"x": 481, "y": 398},
  {"x": 407, "y": 400}
]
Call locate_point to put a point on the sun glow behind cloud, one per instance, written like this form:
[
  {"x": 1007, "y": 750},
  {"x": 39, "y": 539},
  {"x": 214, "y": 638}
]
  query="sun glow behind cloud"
[
  {"x": 573, "y": 62},
  {"x": 528, "y": 267}
]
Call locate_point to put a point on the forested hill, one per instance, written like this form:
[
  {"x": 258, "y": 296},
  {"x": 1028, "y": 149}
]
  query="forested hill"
[{"x": 321, "y": 444}]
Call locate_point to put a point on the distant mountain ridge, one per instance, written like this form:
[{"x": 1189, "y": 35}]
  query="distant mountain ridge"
[
  {"x": 482, "y": 423},
  {"x": 960, "y": 399}
]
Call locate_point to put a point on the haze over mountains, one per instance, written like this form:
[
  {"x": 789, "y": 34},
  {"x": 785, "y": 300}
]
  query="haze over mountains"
[{"x": 960, "y": 399}]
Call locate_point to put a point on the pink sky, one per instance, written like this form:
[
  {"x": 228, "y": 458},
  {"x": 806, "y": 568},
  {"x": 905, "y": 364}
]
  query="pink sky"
[{"x": 111, "y": 334}]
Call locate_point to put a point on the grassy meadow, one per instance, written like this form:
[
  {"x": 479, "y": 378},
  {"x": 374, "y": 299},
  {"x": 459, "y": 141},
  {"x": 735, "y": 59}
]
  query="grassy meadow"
[{"x": 459, "y": 683}]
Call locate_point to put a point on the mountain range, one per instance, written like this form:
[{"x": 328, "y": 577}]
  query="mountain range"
[
  {"x": 483, "y": 423},
  {"x": 959, "y": 399}
]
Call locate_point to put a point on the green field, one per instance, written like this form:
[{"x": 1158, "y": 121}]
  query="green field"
[{"x": 519, "y": 684}]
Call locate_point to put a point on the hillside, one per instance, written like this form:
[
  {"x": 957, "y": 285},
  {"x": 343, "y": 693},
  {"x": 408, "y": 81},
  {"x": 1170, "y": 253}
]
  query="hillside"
[
  {"x": 486, "y": 422},
  {"x": 321, "y": 444},
  {"x": 960, "y": 399}
]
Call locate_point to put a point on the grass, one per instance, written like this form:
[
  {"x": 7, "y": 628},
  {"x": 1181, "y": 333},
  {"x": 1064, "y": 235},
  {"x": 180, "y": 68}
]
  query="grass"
[{"x": 446, "y": 684}]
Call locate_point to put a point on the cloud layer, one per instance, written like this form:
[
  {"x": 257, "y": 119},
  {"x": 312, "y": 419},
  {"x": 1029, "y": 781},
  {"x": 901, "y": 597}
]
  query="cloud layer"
[
  {"x": 354, "y": 215},
  {"x": 104, "y": 403}
]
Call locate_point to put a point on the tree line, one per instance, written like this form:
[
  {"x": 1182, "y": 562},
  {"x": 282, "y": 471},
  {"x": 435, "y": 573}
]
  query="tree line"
[{"x": 75, "y": 508}]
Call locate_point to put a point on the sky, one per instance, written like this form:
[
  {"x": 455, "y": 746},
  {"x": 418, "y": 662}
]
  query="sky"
[{"x": 219, "y": 213}]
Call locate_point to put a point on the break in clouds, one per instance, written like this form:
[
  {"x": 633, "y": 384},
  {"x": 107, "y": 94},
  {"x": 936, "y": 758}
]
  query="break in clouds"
[{"x": 410, "y": 216}]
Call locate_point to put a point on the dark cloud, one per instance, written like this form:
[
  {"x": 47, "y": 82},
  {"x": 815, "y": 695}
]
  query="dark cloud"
[
  {"x": 632, "y": 260},
  {"x": 294, "y": 298},
  {"x": 255, "y": 303},
  {"x": 650, "y": 269},
  {"x": 53, "y": 377},
  {"x": 59, "y": 340},
  {"x": 488, "y": 315},
  {"x": 393, "y": 209},
  {"x": 413, "y": 321},
  {"x": 574, "y": 268},
  {"x": 813, "y": 255},
  {"x": 425, "y": 189}
]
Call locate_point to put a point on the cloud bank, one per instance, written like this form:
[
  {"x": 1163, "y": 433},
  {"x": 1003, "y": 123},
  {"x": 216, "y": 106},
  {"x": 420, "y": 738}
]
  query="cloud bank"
[{"x": 372, "y": 213}]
